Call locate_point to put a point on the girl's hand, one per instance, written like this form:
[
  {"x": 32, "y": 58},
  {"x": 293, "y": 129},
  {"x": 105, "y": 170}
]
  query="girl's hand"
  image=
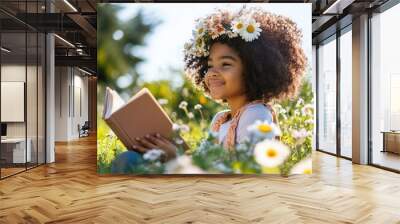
[{"x": 156, "y": 141}]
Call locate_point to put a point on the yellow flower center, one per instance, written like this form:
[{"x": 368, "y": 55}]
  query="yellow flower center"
[
  {"x": 307, "y": 171},
  {"x": 199, "y": 42},
  {"x": 250, "y": 28},
  {"x": 271, "y": 153},
  {"x": 239, "y": 26},
  {"x": 264, "y": 128},
  {"x": 200, "y": 31}
]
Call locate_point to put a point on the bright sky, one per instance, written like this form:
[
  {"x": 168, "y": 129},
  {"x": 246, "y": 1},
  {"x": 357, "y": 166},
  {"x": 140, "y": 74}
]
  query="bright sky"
[{"x": 164, "y": 47}]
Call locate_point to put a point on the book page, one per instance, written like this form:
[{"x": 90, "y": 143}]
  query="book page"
[{"x": 112, "y": 102}]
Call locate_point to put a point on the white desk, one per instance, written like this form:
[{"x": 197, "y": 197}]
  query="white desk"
[{"x": 19, "y": 149}]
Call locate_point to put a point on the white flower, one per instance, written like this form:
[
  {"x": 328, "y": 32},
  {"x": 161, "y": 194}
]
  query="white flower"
[
  {"x": 153, "y": 154},
  {"x": 271, "y": 153},
  {"x": 238, "y": 25},
  {"x": 190, "y": 115},
  {"x": 197, "y": 107},
  {"x": 300, "y": 135},
  {"x": 183, "y": 104},
  {"x": 200, "y": 29},
  {"x": 182, "y": 165},
  {"x": 163, "y": 101},
  {"x": 264, "y": 129},
  {"x": 176, "y": 127},
  {"x": 251, "y": 31},
  {"x": 302, "y": 167},
  {"x": 178, "y": 141}
]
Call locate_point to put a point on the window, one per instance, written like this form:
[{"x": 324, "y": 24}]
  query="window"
[
  {"x": 327, "y": 96},
  {"x": 385, "y": 89},
  {"x": 346, "y": 93}
]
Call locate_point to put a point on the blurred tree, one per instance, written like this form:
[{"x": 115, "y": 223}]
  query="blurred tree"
[{"x": 116, "y": 43}]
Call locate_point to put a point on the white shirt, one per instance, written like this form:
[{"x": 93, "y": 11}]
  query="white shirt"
[{"x": 252, "y": 113}]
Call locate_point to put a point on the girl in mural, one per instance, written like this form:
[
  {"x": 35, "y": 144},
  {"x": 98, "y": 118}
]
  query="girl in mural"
[{"x": 246, "y": 59}]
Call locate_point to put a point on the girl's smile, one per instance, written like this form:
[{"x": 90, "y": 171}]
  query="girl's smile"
[{"x": 215, "y": 82}]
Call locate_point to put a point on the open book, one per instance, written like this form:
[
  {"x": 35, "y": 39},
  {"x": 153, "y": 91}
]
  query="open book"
[{"x": 141, "y": 115}]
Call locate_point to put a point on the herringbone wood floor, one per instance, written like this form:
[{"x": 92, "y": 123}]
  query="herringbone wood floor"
[{"x": 70, "y": 191}]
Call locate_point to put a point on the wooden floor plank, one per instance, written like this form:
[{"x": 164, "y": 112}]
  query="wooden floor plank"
[{"x": 70, "y": 191}]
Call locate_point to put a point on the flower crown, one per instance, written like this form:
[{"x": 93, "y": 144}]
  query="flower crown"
[{"x": 218, "y": 24}]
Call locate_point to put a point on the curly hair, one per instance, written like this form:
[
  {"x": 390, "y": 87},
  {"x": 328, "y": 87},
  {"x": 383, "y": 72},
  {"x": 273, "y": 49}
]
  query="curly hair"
[{"x": 274, "y": 64}]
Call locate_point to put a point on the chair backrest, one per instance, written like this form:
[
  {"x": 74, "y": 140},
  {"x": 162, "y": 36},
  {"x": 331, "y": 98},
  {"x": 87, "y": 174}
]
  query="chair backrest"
[{"x": 86, "y": 125}]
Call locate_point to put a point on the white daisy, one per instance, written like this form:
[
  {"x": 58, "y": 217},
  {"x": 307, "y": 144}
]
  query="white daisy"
[
  {"x": 153, "y": 154},
  {"x": 238, "y": 25},
  {"x": 271, "y": 153},
  {"x": 251, "y": 30},
  {"x": 302, "y": 167},
  {"x": 200, "y": 29},
  {"x": 265, "y": 129}
]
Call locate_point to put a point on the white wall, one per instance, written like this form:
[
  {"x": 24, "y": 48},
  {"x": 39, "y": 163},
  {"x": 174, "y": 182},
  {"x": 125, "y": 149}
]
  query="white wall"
[{"x": 71, "y": 94}]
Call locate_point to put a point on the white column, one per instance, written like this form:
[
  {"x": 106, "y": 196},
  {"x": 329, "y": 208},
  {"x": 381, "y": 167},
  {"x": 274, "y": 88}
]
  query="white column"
[
  {"x": 360, "y": 90},
  {"x": 50, "y": 94}
]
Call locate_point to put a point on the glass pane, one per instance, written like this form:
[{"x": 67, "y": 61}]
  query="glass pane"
[
  {"x": 31, "y": 97},
  {"x": 41, "y": 98},
  {"x": 327, "y": 97},
  {"x": 386, "y": 89},
  {"x": 13, "y": 86},
  {"x": 346, "y": 94}
]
